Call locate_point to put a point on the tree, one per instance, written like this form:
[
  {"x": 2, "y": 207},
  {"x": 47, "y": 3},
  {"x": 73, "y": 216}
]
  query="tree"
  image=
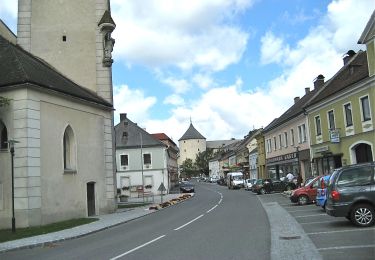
[
  {"x": 4, "y": 101},
  {"x": 202, "y": 159},
  {"x": 187, "y": 168}
]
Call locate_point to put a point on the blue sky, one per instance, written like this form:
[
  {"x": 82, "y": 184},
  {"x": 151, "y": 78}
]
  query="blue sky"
[{"x": 229, "y": 65}]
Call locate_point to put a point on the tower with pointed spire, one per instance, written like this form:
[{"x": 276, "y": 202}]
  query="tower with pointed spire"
[{"x": 191, "y": 143}]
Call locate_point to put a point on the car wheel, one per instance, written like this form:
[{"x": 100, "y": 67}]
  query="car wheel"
[
  {"x": 302, "y": 200},
  {"x": 262, "y": 191},
  {"x": 362, "y": 215}
]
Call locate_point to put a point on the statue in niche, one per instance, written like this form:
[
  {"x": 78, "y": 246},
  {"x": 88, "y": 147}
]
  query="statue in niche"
[{"x": 108, "y": 44}]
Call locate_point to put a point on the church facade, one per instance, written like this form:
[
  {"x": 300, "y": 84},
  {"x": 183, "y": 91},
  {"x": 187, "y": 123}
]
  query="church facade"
[{"x": 58, "y": 78}]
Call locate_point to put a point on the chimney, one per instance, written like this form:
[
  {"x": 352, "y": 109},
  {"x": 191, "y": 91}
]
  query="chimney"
[
  {"x": 307, "y": 91},
  {"x": 319, "y": 81},
  {"x": 296, "y": 99},
  {"x": 348, "y": 56},
  {"x": 122, "y": 117}
]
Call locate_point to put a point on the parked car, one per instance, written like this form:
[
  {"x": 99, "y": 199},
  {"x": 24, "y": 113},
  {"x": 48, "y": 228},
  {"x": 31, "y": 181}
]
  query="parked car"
[
  {"x": 263, "y": 186},
  {"x": 222, "y": 181},
  {"x": 321, "y": 191},
  {"x": 307, "y": 193},
  {"x": 249, "y": 183},
  {"x": 351, "y": 194},
  {"x": 186, "y": 186}
]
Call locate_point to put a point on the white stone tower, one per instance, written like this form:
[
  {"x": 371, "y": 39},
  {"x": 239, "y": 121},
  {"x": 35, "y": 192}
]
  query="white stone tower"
[
  {"x": 190, "y": 144},
  {"x": 72, "y": 36}
]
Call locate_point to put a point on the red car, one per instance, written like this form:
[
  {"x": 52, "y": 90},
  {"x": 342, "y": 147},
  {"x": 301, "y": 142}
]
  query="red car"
[{"x": 307, "y": 193}]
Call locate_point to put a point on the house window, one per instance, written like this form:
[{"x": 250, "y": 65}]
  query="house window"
[
  {"x": 318, "y": 127},
  {"x": 274, "y": 142},
  {"x": 365, "y": 105},
  {"x": 280, "y": 141},
  {"x": 147, "y": 158},
  {"x": 331, "y": 120},
  {"x": 292, "y": 137},
  {"x": 348, "y": 114},
  {"x": 3, "y": 136},
  {"x": 69, "y": 150},
  {"x": 286, "y": 139},
  {"x": 304, "y": 135},
  {"x": 124, "y": 158}
]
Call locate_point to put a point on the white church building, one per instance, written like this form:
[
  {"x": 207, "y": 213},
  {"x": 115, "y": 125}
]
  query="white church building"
[{"x": 58, "y": 79}]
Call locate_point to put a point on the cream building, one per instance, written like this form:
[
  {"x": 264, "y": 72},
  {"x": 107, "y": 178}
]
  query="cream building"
[{"x": 59, "y": 80}]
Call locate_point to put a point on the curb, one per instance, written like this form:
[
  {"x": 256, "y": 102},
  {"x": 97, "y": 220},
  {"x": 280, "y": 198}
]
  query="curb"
[{"x": 146, "y": 211}]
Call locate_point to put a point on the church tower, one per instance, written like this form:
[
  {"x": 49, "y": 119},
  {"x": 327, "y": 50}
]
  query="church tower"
[
  {"x": 191, "y": 143},
  {"x": 73, "y": 36}
]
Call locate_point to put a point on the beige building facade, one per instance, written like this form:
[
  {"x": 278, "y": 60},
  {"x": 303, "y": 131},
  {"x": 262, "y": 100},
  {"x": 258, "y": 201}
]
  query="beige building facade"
[{"x": 61, "y": 114}]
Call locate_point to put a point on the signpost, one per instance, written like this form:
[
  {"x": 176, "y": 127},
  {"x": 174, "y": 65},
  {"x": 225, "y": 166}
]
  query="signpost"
[{"x": 161, "y": 189}]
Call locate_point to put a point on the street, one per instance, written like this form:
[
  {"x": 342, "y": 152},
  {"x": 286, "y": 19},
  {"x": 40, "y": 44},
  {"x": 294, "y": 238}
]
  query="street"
[{"x": 218, "y": 223}]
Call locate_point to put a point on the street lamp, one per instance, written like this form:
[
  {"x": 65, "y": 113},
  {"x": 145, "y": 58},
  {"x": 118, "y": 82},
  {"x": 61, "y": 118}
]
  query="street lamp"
[{"x": 11, "y": 148}]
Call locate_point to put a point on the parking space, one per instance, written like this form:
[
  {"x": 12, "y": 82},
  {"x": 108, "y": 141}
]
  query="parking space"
[{"x": 335, "y": 238}]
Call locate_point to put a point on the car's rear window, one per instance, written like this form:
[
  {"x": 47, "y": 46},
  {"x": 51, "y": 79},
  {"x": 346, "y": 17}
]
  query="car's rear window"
[
  {"x": 259, "y": 182},
  {"x": 358, "y": 176}
]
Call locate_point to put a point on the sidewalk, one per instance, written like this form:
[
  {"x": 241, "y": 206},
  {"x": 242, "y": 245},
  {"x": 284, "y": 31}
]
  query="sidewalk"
[{"x": 104, "y": 222}]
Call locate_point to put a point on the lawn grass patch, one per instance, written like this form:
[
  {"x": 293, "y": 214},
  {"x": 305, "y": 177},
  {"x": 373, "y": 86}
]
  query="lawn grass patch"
[{"x": 7, "y": 235}]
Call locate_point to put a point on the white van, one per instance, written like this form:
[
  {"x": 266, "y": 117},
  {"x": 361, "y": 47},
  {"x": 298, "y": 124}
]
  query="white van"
[{"x": 235, "y": 180}]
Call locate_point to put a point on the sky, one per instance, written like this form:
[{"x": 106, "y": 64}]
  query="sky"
[{"x": 229, "y": 66}]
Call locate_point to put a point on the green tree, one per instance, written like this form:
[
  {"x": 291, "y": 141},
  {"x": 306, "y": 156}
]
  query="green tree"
[
  {"x": 188, "y": 168},
  {"x": 202, "y": 159}
]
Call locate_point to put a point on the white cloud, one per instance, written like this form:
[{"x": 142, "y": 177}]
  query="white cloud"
[
  {"x": 203, "y": 81},
  {"x": 133, "y": 102},
  {"x": 184, "y": 34},
  {"x": 8, "y": 7},
  {"x": 228, "y": 111},
  {"x": 273, "y": 49},
  {"x": 179, "y": 86},
  {"x": 174, "y": 99}
]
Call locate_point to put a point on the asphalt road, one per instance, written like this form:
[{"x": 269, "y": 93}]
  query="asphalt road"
[{"x": 216, "y": 223}]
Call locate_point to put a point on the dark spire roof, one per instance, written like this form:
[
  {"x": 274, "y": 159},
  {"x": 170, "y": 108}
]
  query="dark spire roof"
[
  {"x": 191, "y": 133},
  {"x": 18, "y": 67}
]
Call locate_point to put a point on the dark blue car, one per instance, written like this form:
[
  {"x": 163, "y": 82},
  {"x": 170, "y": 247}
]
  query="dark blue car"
[{"x": 321, "y": 195}]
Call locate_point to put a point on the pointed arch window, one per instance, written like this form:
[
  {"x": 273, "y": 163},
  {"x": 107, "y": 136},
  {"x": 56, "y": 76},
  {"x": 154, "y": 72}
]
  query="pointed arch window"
[
  {"x": 3, "y": 136},
  {"x": 69, "y": 150}
]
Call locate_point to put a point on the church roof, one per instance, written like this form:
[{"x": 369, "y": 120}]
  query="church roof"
[
  {"x": 128, "y": 135},
  {"x": 191, "y": 133},
  {"x": 19, "y": 67}
]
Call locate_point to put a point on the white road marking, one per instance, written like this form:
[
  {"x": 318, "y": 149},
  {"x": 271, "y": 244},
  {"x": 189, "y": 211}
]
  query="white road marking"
[
  {"x": 345, "y": 247},
  {"x": 138, "y": 247},
  {"x": 340, "y": 231},
  {"x": 316, "y": 222},
  {"x": 189, "y": 222},
  {"x": 220, "y": 201},
  {"x": 314, "y": 215},
  {"x": 208, "y": 211},
  {"x": 300, "y": 210}
]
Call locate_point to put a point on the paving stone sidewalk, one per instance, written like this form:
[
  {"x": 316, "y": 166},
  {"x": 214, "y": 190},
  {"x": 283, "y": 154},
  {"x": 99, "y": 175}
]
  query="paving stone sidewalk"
[{"x": 104, "y": 222}]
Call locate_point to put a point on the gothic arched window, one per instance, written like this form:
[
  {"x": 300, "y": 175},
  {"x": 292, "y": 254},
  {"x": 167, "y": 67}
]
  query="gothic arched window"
[
  {"x": 69, "y": 150},
  {"x": 3, "y": 136}
]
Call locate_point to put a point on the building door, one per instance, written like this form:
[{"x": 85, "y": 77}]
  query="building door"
[
  {"x": 363, "y": 153},
  {"x": 91, "y": 198}
]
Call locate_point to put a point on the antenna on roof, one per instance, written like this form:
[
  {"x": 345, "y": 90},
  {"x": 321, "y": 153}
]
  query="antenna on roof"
[{"x": 190, "y": 120}]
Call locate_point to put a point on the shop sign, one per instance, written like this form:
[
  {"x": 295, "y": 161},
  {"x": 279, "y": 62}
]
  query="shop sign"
[
  {"x": 321, "y": 149},
  {"x": 334, "y": 135},
  {"x": 283, "y": 157}
]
